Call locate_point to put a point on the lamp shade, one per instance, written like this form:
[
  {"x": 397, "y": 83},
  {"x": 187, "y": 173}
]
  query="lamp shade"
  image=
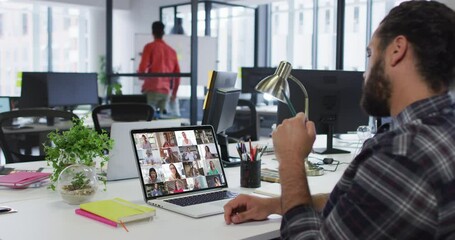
[{"x": 277, "y": 83}]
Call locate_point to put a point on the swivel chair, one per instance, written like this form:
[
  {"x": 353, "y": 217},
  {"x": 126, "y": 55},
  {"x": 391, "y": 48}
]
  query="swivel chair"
[
  {"x": 23, "y": 132},
  {"x": 104, "y": 115}
]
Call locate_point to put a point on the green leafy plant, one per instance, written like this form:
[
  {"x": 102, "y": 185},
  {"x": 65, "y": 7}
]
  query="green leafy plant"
[
  {"x": 79, "y": 145},
  {"x": 115, "y": 87},
  {"x": 80, "y": 181}
]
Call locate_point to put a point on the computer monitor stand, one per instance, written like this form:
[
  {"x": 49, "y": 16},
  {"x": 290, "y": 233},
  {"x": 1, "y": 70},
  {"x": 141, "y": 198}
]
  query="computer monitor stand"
[
  {"x": 329, "y": 149},
  {"x": 228, "y": 161}
]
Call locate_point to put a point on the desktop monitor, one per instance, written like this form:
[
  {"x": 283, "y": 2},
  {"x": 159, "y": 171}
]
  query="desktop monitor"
[
  {"x": 58, "y": 89},
  {"x": 219, "y": 108},
  {"x": 251, "y": 76},
  {"x": 334, "y": 102},
  {"x": 72, "y": 89},
  {"x": 33, "y": 90}
]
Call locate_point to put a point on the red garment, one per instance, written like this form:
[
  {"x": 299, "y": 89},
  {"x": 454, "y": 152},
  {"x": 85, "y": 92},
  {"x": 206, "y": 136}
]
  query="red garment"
[{"x": 158, "y": 57}]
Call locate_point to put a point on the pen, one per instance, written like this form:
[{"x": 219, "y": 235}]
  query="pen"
[
  {"x": 256, "y": 150},
  {"x": 251, "y": 151},
  {"x": 263, "y": 151}
]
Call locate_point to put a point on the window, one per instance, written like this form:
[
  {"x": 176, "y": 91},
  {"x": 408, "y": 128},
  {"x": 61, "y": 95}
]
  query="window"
[
  {"x": 356, "y": 18},
  {"x": 309, "y": 47},
  {"x": 27, "y": 50},
  {"x": 355, "y": 35},
  {"x": 300, "y": 25},
  {"x": 1, "y": 25},
  {"x": 24, "y": 24},
  {"x": 326, "y": 37},
  {"x": 327, "y": 21},
  {"x": 303, "y": 35},
  {"x": 280, "y": 31},
  {"x": 233, "y": 26}
]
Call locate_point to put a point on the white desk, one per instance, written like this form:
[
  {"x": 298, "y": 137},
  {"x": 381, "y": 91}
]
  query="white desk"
[{"x": 43, "y": 215}]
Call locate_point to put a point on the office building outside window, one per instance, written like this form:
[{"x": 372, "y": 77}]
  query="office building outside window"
[
  {"x": 25, "y": 44},
  {"x": 292, "y": 40},
  {"x": 233, "y": 26},
  {"x": 355, "y": 35},
  {"x": 326, "y": 35},
  {"x": 280, "y": 30}
]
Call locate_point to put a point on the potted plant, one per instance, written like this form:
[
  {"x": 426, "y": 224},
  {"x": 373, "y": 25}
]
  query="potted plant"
[
  {"x": 75, "y": 151},
  {"x": 105, "y": 89}
]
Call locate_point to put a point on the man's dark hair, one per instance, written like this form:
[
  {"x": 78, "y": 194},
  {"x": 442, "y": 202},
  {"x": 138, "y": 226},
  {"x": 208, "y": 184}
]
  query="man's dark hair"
[
  {"x": 430, "y": 28},
  {"x": 158, "y": 29}
]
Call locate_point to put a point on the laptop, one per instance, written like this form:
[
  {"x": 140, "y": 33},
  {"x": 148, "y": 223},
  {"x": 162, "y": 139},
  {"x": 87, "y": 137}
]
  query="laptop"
[
  {"x": 122, "y": 163},
  {"x": 181, "y": 170}
]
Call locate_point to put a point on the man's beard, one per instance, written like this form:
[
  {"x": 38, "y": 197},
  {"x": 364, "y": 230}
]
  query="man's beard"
[{"x": 376, "y": 93}]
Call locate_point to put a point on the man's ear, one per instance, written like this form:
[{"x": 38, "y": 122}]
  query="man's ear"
[{"x": 399, "y": 47}]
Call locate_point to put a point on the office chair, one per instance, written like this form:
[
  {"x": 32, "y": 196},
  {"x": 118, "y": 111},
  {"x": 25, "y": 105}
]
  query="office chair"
[
  {"x": 23, "y": 132},
  {"x": 104, "y": 115},
  {"x": 128, "y": 98},
  {"x": 245, "y": 128}
]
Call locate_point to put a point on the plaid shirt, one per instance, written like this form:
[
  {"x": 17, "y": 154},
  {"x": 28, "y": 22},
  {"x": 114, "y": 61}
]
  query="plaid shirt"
[{"x": 401, "y": 186}]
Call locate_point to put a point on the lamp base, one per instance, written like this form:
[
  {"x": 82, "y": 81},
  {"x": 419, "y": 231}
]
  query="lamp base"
[
  {"x": 315, "y": 172},
  {"x": 312, "y": 169}
]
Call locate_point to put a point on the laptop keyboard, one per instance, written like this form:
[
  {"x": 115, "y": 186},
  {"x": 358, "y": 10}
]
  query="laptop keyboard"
[{"x": 202, "y": 198}]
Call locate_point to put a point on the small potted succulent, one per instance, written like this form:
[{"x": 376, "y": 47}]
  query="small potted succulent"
[{"x": 72, "y": 155}]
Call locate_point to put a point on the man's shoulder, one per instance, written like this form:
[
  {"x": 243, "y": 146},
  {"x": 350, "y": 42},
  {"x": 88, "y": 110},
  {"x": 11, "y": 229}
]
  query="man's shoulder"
[
  {"x": 150, "y": 45},
  {"x": 419, "y": 140},
  {"x": 167, "y": 46}
]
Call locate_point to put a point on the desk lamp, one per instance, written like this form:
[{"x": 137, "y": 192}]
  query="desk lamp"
[{"x": 277, "y": 86}]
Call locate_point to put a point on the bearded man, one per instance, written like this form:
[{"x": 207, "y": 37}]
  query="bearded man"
[{"x": 402, "y": 184}]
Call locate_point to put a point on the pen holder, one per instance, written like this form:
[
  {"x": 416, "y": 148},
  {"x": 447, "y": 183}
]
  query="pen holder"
[{"x": 250, "y": 174}]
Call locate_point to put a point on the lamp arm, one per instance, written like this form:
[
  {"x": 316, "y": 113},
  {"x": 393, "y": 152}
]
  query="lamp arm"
[{"x": 307, "y": 101}]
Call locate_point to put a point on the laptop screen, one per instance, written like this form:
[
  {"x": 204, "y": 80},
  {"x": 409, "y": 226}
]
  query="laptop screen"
[{"x": 178, "y": 160}]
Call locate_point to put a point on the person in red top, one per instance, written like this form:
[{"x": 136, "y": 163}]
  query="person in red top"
[{"x": 158, "y": 57}]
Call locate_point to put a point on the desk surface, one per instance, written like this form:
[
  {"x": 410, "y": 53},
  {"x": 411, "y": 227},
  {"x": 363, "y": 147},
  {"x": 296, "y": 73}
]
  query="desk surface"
[{"x": 43, "y": 215}]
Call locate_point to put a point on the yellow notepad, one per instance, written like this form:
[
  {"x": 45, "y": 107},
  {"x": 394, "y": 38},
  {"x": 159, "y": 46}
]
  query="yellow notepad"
[{"x": 119, "y": 210}]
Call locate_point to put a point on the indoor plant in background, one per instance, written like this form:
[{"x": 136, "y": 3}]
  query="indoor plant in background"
[
  {"x": 73, "y": 156},
  {"x": 104, "y": 89}
]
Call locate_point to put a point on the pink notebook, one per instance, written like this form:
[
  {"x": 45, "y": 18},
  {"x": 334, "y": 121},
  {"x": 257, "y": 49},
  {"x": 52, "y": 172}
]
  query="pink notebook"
[
  {"x": 95, "y": 217},
  {"x": 22, "y": 179}
]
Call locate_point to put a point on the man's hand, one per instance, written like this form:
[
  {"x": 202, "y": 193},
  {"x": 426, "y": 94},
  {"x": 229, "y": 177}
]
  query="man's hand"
[
  {"x": 293, "y": 141},
  {"x": 294, "y": 137},
  {"x": 245, "y": 208}
]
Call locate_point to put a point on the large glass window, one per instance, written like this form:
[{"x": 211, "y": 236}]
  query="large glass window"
[
  {"x": 326, "y": 37},
  {"x": 293, "y": 32},
  {"x": 355, "y": 35},
  {"x": 280, "y": 30},
  {"x": 14, "y": 43},
  {"x": 69, "y": 53},
  {"x": 25, "y": 44},
  {"x": 233, "y": 26},
  {"x": 303, "y": 34}
]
